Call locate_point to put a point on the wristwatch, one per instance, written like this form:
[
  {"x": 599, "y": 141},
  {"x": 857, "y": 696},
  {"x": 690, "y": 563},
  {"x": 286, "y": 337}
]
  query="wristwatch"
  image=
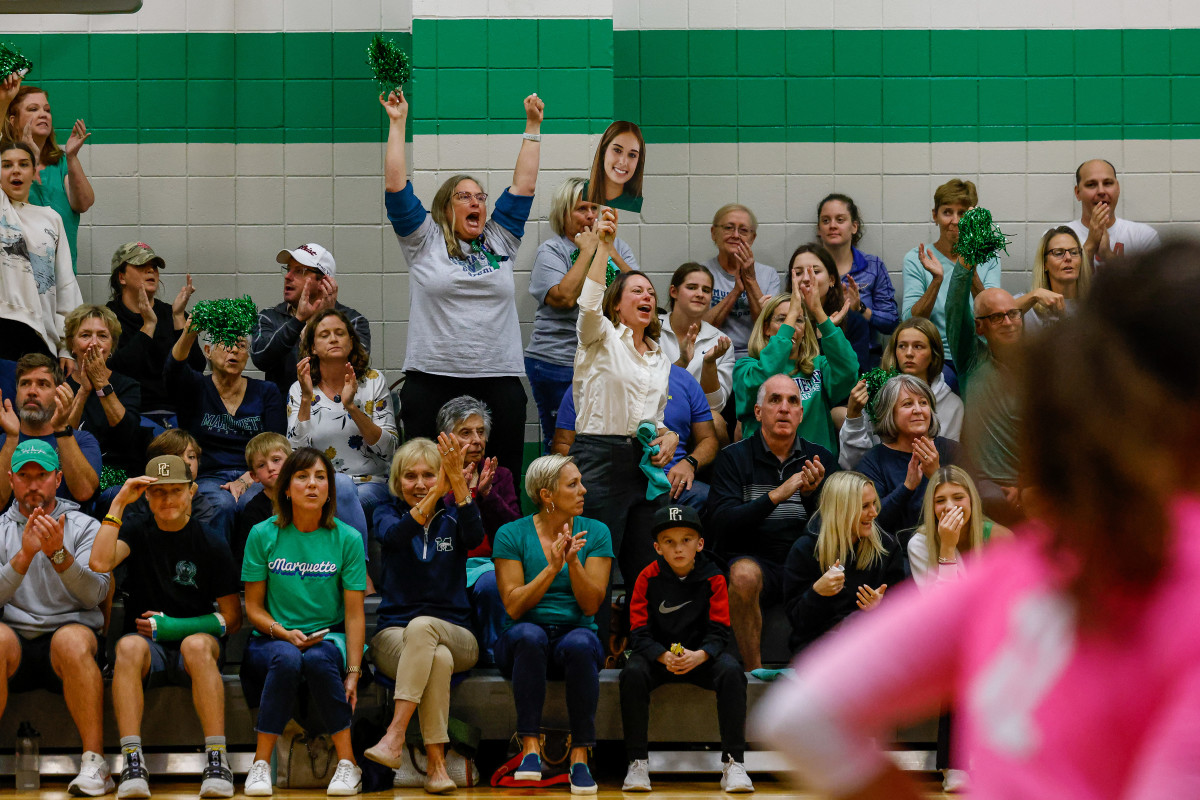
[
  {"x": 695, "y": 464},
  {"x": 104, "y": 390},
  {"x": 64, "y": 433},
  {"x": 58, "y": 556}
]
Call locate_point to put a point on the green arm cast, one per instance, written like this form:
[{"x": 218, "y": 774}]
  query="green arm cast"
[{"x": 172, "y": 629}]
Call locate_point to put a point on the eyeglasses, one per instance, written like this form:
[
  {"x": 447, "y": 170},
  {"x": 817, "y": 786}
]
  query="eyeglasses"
[
  {"x": 1012, "y": 315},
  {"x": 301, "y": 271},
  {"x": 465, "y": 197},
  {"x": 1059, "y": 252},
  {"x": 741, "y": 230}
]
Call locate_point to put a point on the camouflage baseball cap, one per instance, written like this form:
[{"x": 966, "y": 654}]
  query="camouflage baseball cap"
[{"x": 136, "y": 253}]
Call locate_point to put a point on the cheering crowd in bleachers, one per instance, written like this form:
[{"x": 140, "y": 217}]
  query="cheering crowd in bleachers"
[{"x": 725, "y": 434}]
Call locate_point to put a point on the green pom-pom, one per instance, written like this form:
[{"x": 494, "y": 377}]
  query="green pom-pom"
[
  {"x": 112, "y": 476},
  {"x": 979, "y": 239},
  {"x": 388, "y": 63},
  {"x": 875, "y": 379},
  {"x": 12, "y": 61},
  {"x": 225, "y": 321}
]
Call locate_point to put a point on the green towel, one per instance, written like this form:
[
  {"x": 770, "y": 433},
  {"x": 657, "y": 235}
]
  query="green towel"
[{"x": 656, "y": 480}]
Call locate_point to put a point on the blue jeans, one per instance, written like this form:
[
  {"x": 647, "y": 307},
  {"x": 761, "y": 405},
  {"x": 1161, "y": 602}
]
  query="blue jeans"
[
  {"x": 369, "y": 496},
  {"x": 349, "y": 510},
  {"x": 524, "y": 653},
  {"x": 224, "y": 506},
  {"x": 696, "y": 497},
  {"x": 271, "y": 674},
  {"x": 489, "y": 615},
  {"x": 548, "y": 382}
]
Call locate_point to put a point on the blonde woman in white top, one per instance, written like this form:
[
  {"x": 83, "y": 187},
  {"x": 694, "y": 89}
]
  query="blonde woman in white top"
[{"x": 620, "y": 381}]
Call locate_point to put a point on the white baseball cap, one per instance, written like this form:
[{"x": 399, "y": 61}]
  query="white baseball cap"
[{"x": 311, "y": 255}]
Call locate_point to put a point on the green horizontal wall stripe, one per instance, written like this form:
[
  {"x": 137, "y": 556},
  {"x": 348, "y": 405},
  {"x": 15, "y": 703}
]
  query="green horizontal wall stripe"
[{"x": 681, "y": 86}]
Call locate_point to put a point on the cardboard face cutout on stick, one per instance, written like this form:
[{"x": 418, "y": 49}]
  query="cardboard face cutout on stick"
[{"x": 616, "y": 176}]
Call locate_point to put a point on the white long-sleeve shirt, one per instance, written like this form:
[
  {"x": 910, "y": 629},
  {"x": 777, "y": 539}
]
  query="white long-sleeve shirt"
[
  {"x": 709, "y": 334},
  {"x": 615, "y": 387}
]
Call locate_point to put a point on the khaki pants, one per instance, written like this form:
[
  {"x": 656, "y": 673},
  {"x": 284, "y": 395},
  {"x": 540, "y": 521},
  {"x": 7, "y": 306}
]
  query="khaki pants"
[{"x": 420, "y": 658}]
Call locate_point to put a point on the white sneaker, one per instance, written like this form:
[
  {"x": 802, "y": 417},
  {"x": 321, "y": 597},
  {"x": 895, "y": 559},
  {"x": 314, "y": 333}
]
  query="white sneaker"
[
  {"x": 347, "y": 780},
  {"x": 955, "y": 780},
  {"x": 94, "y": 778},
  {"x": 258, "y": 780},
  {"x": 734, "y": 777},
  {"x": 637, "y": 778}
]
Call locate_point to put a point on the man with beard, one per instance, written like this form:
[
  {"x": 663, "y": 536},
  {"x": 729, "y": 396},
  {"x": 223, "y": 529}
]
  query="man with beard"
[
  {"x": 41, "y": 411},
  {"x": 49, "y": 638}
]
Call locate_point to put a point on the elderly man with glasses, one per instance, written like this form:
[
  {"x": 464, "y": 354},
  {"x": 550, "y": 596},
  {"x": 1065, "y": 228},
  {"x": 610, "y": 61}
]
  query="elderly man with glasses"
[
  {"x": 309, "y": 287},
  {"x": 988, "y": 388}
]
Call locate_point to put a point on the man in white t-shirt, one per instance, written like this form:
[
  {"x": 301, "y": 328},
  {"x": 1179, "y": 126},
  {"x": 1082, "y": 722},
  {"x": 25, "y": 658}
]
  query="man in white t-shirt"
[{"x": 1104, "y": 233}]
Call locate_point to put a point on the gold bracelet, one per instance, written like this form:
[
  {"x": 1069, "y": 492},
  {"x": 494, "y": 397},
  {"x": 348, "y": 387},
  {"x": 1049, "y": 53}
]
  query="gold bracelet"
[
  {"x": 271, "y": 629},
  {"x": 354, "y": 670}
]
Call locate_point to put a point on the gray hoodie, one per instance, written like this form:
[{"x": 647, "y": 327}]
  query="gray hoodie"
[{"x": 42, "y": 600}]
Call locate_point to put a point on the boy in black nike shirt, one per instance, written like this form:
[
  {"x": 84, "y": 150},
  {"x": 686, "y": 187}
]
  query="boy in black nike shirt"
[{"x": 679, "y": 631}]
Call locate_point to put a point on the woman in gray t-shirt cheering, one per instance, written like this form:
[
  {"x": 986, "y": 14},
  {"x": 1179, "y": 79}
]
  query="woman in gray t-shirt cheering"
[{"x": 463, "y": 336}]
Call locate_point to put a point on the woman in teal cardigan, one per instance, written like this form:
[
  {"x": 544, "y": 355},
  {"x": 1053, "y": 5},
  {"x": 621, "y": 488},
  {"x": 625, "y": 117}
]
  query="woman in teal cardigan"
[{"x": 784, "y": 340}]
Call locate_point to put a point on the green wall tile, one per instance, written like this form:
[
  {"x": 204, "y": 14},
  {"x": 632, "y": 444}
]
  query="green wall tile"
[
  {"x": 954, "y": 53},
  {"x": 863, "y": 133},
  {"x": 713, "y": 101},
  {"x": 1098, "y": 101},
  {"x": 1098, "y": 132},
  {"x": 600, "y": 91},
  {"x": 664, "y": 53},
  {"x": 627, "y": 99},
  {"x": 906, "y": 53},
  {"x": 563, "y": 43},
  {"x": 112, "y": 57},
  {"x": 954, "y": 101},
  {"x": 1147, "y": 100},
  {"x": 462, "y": 43},
  {"x": 259, "y": 56},
  {"x": 627, "y": 54},
  {"x": 1185, "y": 99},
  {"x": 858, "y": 101},
  {"x": 1003, "y": 133},
  {"x": 73, "y": 98},
  {"x": 762, "y": 134},
  {"x": 810, "y": 133},
  {"x": 307, "y": 55},
  {"x": 664, "y": 101},
  {"x": 424, "y": 39},
  {"x": 712, "y": 53},
  {"x": 354, "y": 105},
  {"x": 1096, "y": 52},
  {"x": 212, "y": 57},
  {"x": 1185, "y": 51},
  {"x": 600, "y": 43},
  {"x": 259, "y": 104},
  {"x": 953, "y": 133},
  {"x": 858, "y": 52},
  {"x": 1002, "y": 101},
  {"x": 161, "y": 104},
  {"x": 461, "y": 93},
  {"x": 65, "y": 56},
  {"x": 513, "y": 43},
  {"x": 760, "y": 53},
  {"x": 1005, "y": 53},
  {"x": 507, "y": 89},
  {"x": 760, "y": 101},
  {"x": 703, "y": 135},
  {"x": 1050, "y": 52},
  {"x": 1051, "y": 101},
  {"x": 1146, "y": 52},
  {"x": 905, "y": 101},
  {"x": 207, "y": 104},
  {"x": 308, "y": 104},
  {"x": 566, "y": 91},
  {"x": 809, "y": 53},
  {"x": 112, "y": 104},
  {"x": 162, "y": 57},
  {"x": 350, "y": 53},
  {"x": 1146, "y": 132},
  {"x": 809, "y": 102}
]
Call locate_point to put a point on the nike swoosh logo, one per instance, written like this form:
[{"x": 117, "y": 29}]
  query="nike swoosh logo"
[{"x": 663, "y": 608}]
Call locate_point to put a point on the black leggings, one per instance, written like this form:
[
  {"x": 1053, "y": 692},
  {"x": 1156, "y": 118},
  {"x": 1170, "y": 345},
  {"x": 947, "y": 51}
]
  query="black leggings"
[{"x": 423, "y": 395}]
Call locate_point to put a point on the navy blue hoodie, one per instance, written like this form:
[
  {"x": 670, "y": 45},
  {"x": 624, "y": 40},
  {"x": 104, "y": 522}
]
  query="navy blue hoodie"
[{"x": 424, "y": 569}]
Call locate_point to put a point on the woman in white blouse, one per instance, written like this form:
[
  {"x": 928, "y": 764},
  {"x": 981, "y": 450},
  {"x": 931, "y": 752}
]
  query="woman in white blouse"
[
  {"x": 341, "y": 406},
  {"x": 620, "y": 382},
  {"x": 694, "y": 344}
]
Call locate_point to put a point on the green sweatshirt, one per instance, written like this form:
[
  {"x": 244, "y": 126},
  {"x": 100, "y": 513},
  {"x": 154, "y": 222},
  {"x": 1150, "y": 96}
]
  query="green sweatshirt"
[{"x": 834, "y": 374}]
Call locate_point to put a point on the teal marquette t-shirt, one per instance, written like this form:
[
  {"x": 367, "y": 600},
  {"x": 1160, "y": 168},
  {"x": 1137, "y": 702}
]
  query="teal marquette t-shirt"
[
  {"x": 518, "y": 541},
  {"x": 306, "y": 573}
]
